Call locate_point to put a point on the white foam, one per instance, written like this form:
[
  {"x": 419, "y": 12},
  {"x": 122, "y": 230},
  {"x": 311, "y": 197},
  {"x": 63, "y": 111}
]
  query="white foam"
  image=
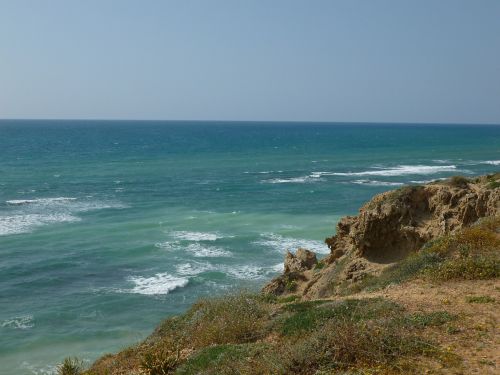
[
  {"x": 240, "y": 272},
  {"x": 201, "y": 251},
  {"x": 168, "y": 245},
  {"x": 281, "y": 244},
  {"x": 19, "y": 322},
  {"x": 491, "y": 162},
  {"x": 161, "y": 283},
  {"x": 196, "y": 236},
  {"x": 427, "y": 181},
  {"x": 30, "y": 214},
  {"x": 278, "y": 267},
  {"x": 40, "y": 370},
  {"x": 17, "y": 224},
  {"x": 294, "y": 180},
  {"x": 245, "y": 272},
  {"x": 377, "y": 183},
  {"x": 194, "y": 268},
  {"x": 41, "y": 201},
  {"x": 400, "y": 170},
  {"x": 441, "y": 161}
]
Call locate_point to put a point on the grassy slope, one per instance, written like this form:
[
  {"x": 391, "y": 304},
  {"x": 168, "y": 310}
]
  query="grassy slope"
[{"x": 434, "y": 311}]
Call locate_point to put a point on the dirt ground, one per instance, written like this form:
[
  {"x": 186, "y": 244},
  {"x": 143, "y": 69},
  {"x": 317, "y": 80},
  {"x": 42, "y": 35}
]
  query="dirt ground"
[{"x": 473, "y": 336}]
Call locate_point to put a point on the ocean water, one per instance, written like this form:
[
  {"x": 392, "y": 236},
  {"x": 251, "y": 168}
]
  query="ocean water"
[{"x": 106, "y": 228}]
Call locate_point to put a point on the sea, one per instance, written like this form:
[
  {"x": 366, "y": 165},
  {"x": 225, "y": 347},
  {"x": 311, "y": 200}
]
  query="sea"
[{"x": 109, "y": 227}]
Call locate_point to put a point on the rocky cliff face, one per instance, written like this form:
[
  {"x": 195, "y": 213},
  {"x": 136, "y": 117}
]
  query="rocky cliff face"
[{"x": 387, "y": 229}]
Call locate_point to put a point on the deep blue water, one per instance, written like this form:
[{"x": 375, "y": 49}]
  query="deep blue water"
[{"x": 108, "y": 227}]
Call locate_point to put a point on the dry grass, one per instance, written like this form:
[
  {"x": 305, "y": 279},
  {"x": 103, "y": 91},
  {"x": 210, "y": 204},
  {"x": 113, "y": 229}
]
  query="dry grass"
[
  {"x": 244, "y": 334},
  {"x": 232, "y": 319}
]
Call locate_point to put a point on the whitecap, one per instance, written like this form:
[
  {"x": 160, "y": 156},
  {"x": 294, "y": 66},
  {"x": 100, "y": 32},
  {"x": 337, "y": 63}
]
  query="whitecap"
[
  {"x": 17, "y": 224},
  {"x": 29, "y": 214},
  {"x": 40, "y": 370},
  {"x": 441, "y": 161},
  {"x": 278, "y": 267},
  {"x": 491, "y": 162},
  {"x": 201, "y": 251},
  {"x": 376, "y": 183},
  {"x": 427, "y": 181},
  {"x": 196, "y": 236},
  {"x": 400, "y": 170},
  {"x": 194, "y": 268},
  {"x": 168, "y": 245},
  {"x": 39, "y": 201},
  {"x": 281, "y": 244},
  {"x": 245, "y": 272},
  {"x": 294, "y": 180},
  {"x": 161, "y": 283},
  {"x": 19, "y": 322}
]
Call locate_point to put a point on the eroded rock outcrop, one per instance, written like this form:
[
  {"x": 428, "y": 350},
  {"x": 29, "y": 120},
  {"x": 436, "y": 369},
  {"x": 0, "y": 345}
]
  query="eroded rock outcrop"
[
  {"x": 295, "y": 266},
  {"x": 388, "y": 228}
]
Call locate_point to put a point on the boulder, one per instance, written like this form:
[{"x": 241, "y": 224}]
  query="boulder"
[{"x": 303, "y": 260}]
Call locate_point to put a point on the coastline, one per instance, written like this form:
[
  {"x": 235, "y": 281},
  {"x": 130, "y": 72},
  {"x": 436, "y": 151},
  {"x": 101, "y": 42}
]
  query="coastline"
[{"x": 451, "y": 202}]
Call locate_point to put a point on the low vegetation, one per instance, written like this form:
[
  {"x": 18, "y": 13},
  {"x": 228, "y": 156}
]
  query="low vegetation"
[
  {"x": 493, "y": 181},
  {"x": 458, "y": 181},
  {"x": 247, "y": 334},
  {"x": 70, "y": 366},
  {"x": 480, "y": 299}
]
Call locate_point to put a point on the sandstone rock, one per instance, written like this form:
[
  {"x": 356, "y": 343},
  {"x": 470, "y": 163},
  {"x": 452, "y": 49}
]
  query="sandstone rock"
[
  {"x": 391, "y": 226},
  {"x": 303, "y": 260}
]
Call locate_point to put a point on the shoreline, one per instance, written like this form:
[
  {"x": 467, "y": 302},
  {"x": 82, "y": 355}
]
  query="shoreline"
[{"x": 301, "y": 269}]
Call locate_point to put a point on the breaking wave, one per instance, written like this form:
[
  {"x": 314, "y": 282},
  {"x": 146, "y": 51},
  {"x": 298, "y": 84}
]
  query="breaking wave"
[
  {"x": 19, "y": 322},
  {"x": 26, "y": 215},
  {"x": 17, "y": 224},
  {"x": 400, "y": 170},
  {"x": 197, "y": 236},
  {"x": 377, "y": 183},
  {"x": 281, "y": 244},
  {"x": 161, "y": 283}
]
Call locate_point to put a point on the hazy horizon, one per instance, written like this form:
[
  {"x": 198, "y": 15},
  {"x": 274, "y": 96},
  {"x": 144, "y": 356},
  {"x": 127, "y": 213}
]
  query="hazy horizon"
[
  {"x": 329, "y": 61},
  {"x": 247, "y": 121}
]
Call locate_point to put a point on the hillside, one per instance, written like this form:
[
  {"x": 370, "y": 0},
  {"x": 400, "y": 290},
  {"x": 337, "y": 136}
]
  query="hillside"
[{"x": 411, "y": 286}]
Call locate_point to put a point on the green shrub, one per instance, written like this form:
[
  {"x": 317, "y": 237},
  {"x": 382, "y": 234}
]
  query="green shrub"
[
  {"x": 458, "y": 181},
  {"x": 432, "y": 319},
  {"x": 493, "y": 184},
  {"x": 346, "y": 344},
  {"x": 255, "y": 358},
  {"x": 320, "y": 265},
  {"x": 480, "y": 299},
  {"x": 160, "y": 360},
  {"x": 287, "y": 299},
  {"x": 211, "y": 357},
  {"x": 307, "y": 316},
  {"x": 465, "y": 268},
  {"x": 231, "y": 319},
  {"x": 70, "y": 366}
]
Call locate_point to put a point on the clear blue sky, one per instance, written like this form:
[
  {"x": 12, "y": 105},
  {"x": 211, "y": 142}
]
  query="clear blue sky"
[{"x": 351, "y": 60}]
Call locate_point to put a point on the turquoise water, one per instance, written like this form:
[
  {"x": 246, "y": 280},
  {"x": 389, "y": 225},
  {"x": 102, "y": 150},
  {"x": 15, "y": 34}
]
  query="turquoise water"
[{"x": 106, "y": 228}]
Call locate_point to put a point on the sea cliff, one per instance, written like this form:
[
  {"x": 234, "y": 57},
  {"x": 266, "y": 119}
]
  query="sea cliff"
[{"x": 410, "y": 286}]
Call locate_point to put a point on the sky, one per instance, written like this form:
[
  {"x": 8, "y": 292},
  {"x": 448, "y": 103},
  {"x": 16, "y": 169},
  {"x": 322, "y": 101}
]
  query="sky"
[{"x": 251, "y": 60}]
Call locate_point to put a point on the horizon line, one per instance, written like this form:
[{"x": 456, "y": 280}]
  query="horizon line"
[{"x": 254, "y": 121}]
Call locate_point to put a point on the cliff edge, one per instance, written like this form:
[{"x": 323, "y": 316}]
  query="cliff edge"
[{"x": 387, "y": 229}]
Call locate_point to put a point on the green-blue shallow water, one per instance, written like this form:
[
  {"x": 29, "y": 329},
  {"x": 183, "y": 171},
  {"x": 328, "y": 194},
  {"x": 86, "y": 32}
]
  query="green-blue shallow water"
[{"x": 106, "y": 228}]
